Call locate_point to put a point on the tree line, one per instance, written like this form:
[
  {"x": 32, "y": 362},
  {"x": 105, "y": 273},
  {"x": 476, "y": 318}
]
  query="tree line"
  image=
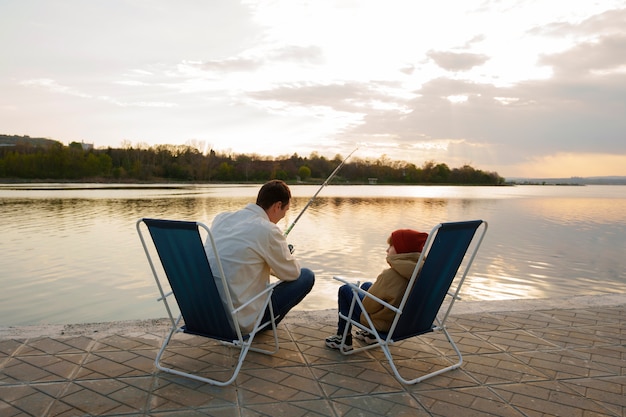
[{"x": 51, "y": 160}]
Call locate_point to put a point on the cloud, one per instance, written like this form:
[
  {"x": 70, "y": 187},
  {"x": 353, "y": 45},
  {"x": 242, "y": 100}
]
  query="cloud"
[
  {"x": 54, "y": 87},
  {"x": 600, "y": 43},
  {"x": 462, "y": 120},
  {"x": 230, "y": 65},
  {"x": 537, "y": 116},
  {"x": 609, "y": 22},
  {"x": 345, "y": 96},
  {"x": 254, "y": 60},
  {"x": 580, "y": 108},
  {"x": 602, "y": 56},
  {"x": 311, "y": 54},
  {"x": 497, "y": 84},
  {"x": 457, "y": 61}
]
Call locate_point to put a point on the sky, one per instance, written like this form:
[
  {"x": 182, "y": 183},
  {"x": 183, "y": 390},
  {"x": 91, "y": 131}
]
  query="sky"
[{"x": 522, "y": 88}]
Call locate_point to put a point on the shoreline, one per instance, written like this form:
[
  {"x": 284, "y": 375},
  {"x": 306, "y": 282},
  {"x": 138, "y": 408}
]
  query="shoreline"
[{"x": 155, "y": 328}]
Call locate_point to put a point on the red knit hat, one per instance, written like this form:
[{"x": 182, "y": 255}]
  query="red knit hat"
[{"x": 407, "y": 240}]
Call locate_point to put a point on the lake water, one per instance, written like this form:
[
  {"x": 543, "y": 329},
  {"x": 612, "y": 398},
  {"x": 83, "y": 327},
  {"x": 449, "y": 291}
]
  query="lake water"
[{"x": 71, "y": 254}]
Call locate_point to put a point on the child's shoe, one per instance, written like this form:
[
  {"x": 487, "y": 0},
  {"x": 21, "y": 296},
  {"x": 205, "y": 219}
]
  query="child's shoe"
[
  {"x": 334, "y": 342},
  {"x": 365, "y": 337}
]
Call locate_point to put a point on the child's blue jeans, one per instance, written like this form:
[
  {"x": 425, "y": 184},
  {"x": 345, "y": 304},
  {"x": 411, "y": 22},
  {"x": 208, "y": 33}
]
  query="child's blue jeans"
[{"x": 344, "y": 299}]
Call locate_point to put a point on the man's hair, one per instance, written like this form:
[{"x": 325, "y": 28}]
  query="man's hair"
[{"x": 271, "y": 192}]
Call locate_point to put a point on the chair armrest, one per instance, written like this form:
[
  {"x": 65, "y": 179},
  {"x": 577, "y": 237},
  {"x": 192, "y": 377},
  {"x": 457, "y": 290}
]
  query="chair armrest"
[
  {"x": 360, "y": 290},
  {"x": 345, "y": 281},
  {"x": 267, "y": 290},
  {"x": 165, "y": 296}
]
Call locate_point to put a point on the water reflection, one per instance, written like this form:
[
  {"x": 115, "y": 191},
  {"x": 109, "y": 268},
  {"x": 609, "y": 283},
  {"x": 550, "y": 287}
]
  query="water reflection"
[
  {"x": 583, "y": 211},
  {"x": 72, "y": 254}
]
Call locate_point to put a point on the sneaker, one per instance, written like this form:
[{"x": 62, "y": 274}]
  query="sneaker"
[
  {"x": 365, "y": 337},
  {"x": 334, "y": 342}
]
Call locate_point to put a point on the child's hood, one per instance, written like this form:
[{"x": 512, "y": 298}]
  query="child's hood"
[{"x": 403, "y": 263}]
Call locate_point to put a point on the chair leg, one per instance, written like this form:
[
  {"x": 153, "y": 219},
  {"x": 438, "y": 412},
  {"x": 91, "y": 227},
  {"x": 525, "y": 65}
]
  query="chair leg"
[
  {"x": 242, "y": 355},
  {"x": 386, "y": 351},
  {"x": 166, "y": 341},
  {"x": 259, "y": 327},
  {"x": 275, "y": 337}
]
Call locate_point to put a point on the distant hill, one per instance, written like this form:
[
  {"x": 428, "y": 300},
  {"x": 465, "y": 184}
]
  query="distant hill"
[
  {"x": 607, "y": 180},
  {"x": 11, "y": 140}
]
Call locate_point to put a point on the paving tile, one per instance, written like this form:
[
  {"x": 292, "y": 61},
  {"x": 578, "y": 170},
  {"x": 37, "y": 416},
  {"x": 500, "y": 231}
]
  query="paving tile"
[
  {"x": 215, "y": 362},
  {"x": 171, "y": 393},
  {"x": 588, "y": 317},
  {"x": 615, "y": 314},
  {"x": 288, "y": 355},
  {"x": 355, "y": 378},
  {"x": 8, "y": 347},
  {"x": 530, "y": 319},
  {"x": 411, "y": 369},
  {"x": 189, "y": 340},
  {"x": 498, "y": 368},
  {"x": 473, "y": 401},
  {"x": 469, "y": 343},
  {"x": 115, "y": 364},
  {"x": 516, "y": 340},
  {"x": 424, "y": 354},
  {"x": 286, "y": 384},
  {"x": 288, "y": 409},
  {"x": 549, "y": 398},
  {"x": 616, "y": 332},
  {"x": 612, "y": 358},
  {"x": 534, "y": 363},
  {"x": 40, "y": 368},
  {"x": 267, "y": 336},
  {"x": 312, "y": 331},
  {"x": 315, "y": 352},
  {"x": 117, "y": 342},
  {"x": 394, "y": 405},
  {"x": 567, "y": 337},
  {"x": 453, "y": 325},
  {"x": 484, "y": 323},
  {"x": 199, "y": 412},
  {"x": 34, "y": 400},
  {"x": 50, "y": 346},
  {"x": 609, "y": 392},
  {"x": 563, "y": 364},
  {"x": 418, "y": 348},
  {"x": 103, "y": 397}
]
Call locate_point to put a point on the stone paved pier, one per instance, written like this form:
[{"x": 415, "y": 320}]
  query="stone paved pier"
[{"x": 521, "y": 358}]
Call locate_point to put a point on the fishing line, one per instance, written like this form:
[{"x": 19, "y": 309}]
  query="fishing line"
[{"x": 332, "y": 174}]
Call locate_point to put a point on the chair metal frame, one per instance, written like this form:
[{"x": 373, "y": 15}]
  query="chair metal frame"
[
  {"x": 463, "y": 256},
  {"x": 196, "y": 267}
]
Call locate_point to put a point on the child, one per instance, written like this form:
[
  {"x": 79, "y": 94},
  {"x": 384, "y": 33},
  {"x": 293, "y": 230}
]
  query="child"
[{"x": 405, "y": 247}]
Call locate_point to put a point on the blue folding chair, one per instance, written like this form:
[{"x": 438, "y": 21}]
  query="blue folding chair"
[
  {"x": 184, "y": 261},
  {"x": 419, "y": 311}
]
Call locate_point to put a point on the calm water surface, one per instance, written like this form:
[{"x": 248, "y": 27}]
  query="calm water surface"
[{"x": 70, "y": 253}]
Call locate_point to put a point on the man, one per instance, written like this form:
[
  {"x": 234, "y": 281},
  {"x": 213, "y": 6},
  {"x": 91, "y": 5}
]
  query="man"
[{"x": 251, "y": 247}]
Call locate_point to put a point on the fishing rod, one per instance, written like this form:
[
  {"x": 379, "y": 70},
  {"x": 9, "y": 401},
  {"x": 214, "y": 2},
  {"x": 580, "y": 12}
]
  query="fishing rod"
[{"x": 332, "y": 174}]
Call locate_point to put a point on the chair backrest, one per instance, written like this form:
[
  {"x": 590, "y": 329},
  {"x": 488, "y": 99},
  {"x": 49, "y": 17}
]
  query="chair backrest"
[
  {"x": 184, "y": 260},
  {"x": 443, "y": 259}
]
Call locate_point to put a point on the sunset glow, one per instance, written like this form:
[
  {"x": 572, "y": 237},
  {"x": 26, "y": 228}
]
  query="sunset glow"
[{"x": 527, "y": 89}]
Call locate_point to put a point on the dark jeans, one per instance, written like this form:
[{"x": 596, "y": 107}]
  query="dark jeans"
[
  {"x": 288, "y": 294},
  {"x": 344, "y": 299}
]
